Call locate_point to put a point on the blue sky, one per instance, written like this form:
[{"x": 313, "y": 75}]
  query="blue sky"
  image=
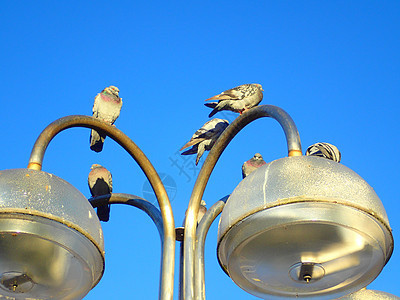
[{"x": 333, "y": 66}]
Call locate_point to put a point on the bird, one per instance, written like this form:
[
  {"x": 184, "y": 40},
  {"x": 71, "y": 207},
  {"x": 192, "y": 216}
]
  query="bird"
[
  {"x": 324, "y": 150},
  {"x": 238, "y": 99},
  {"x": 107, "y": 107},
  {"x": 202, "y": 211},
  {"x": 204, "y": 138},
  {"x": 252, "y": 164},
  {"x": 100, "y": 183}
]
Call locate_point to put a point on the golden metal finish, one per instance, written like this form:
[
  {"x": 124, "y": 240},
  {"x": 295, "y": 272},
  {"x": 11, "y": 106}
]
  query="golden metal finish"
[
  {"x": 295, "y": 153},
  {"x": 293, "y": 144},
  {"x": 36, "y": 159}
]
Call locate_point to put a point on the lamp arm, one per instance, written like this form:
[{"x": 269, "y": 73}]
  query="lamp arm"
[
  {"x": 120, "y": 198},
  {"x": 201, "y": 234},
  {"x": 36, "y": 159},
  {"x": 294, "y": 149}
]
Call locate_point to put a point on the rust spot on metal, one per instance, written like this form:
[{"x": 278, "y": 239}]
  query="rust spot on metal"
[{"x": 47, "y": 188}]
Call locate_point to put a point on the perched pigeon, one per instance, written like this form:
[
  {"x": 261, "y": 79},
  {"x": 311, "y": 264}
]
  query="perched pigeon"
[
  {"x": 204, "y": 138},
  {"x": 107, "y": 106},
  {"x": 100, "y": 183},
  {"x": 237, "y": 99},
  {"x": 202, "y": 211},
  {"x": 325, "y": 150},
  {"x": 252, "y": 164}
]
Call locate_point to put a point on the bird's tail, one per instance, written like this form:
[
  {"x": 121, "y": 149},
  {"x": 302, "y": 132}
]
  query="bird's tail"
[
  {"x": 212, "y": 98},
  {"x": 214, "y": 106},
  {"x": 97, "y": 140},
  {"x": 192, "y": 150},
  {"x": 198, "y": 140},
  {"x": 188, "y": 144},
  {"x": 103, "y": 212},
  {"x": 211, "y": 104},
  {"x": 219, "y": 97}
]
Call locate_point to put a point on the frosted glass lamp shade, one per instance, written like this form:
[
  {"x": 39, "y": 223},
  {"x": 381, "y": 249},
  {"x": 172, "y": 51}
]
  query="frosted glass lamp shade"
[
  {"x": 303, "y": 227},
  {"x": 51, "y": 242},
  {"x": 365, "y": 294}
]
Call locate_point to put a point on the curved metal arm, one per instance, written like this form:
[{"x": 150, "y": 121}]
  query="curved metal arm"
[
  {"x": 36, "y": 159},
  {"x": 294, "y": 149},
  {"x": 120, "y": 198},
  {"x": 201, "y": 234}
]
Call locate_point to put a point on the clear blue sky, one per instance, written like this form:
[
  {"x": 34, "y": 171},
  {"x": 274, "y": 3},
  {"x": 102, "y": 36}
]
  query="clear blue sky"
[{"x": 333, "y": 66}]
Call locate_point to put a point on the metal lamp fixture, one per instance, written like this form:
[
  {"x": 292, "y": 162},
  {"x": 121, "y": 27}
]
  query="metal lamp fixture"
[
  {"x": 51, "y": 243},
  {"x": 303, "y": 227},
  {"x": 365, "y": 294},
  {"x": 298, "y": 227}
]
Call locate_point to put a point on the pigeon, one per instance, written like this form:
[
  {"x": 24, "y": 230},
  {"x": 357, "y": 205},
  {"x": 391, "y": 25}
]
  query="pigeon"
[
  {"x": 252, "y": 164},
  {"x": 324, "y": 150},
  {"x": 204, "y": 138},
  {"x": 238, "y": 99},
  {"x": 202, "y": 211},
  {"x": 100, "y": 183},
  {"x": 107, "y": 106}
]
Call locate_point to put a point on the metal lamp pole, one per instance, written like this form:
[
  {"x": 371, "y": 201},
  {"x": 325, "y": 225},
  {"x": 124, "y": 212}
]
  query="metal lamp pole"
[
  {"x": 294, "y": 149},
  {"x": 192, "y": 271},
  {"x": 168, "y": 225}
]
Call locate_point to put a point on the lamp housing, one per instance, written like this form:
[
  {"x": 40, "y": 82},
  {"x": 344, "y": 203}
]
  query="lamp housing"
[
  {"x": 303, "y": 227},
  {"x": 51, "y": 241}
]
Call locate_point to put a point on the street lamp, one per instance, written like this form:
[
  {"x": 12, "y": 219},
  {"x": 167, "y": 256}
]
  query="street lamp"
[
  {"x": 59, "y": 223},
  {"x": 51, "y": 242},
  {"x": 298, "y": 227},
  {"x": 303, "y": 227}
]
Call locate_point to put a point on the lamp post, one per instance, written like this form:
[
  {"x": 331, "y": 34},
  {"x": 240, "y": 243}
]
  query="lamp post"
[
  {"x": 298, "y": 227},
  {"x": 68, "y": 221},
  {"x": 283, "y": 232},
  {"x": 294, "y": 149}
]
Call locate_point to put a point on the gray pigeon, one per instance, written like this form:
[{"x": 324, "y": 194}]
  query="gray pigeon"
[
  {"x": 252, "y": 164},
  {"x": 202, "y": 211},
  {"x": 107, "y": 106},
  {"x": 100, "y": 183},
  {"x": 204, "y": 138},
  {"x": 238, "y": 99},
  {"x": 324, "y": 150}
]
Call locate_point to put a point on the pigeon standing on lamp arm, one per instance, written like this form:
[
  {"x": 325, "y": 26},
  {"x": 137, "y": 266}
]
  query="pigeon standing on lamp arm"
[{"x": 238, "y": 99}]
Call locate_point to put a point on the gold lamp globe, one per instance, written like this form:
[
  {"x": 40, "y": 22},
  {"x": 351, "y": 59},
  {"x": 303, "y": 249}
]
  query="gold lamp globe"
[
  {"x": 51, "y": 241},
  {"x": 303, "y": 227}
]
